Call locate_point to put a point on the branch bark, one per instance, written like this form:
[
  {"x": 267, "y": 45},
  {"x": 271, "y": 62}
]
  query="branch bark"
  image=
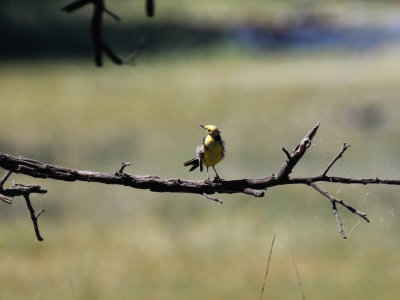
[
  {"x": 251, "y": 186},
  {"x": 34, "y": 217}
]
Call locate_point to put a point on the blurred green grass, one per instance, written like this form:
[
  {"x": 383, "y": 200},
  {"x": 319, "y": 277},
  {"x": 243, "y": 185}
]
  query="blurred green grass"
[{"x": 105, "y": 242}]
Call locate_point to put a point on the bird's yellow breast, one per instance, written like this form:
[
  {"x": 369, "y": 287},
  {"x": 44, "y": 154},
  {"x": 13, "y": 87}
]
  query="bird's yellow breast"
[{"x": 213, "y": 152}]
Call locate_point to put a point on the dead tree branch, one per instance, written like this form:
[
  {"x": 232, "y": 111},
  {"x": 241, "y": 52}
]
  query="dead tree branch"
[
  {"x": 150, "y": 8},
  {"x": 339, "y": 155},
  {"x": 251, "y": 186},
  {"x": 335, "y": 200},
  {"x": 99, "y": 45},
  {"x": 6, "y": 195},
  {"x": 34, "y": 217},
  {"x": 296, "y": 155}
]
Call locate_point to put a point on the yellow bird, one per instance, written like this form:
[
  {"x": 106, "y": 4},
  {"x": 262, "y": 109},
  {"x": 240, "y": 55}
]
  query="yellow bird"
[{"x": 210, "y": 152}]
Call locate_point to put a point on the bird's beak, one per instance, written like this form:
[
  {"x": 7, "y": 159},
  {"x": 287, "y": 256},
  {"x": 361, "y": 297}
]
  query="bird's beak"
[{"x": 203, "y": 126}]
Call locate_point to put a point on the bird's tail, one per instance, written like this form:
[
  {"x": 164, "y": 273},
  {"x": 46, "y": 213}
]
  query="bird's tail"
[{"x": 194, "y": 162}]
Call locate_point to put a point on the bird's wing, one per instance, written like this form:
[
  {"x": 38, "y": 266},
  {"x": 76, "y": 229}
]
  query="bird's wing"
[
  {"x": 197, "y": 161},
  {"x": 200, "y": 150},
  {"x": 223, "y": 148}
]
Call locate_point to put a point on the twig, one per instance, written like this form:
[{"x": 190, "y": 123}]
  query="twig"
[
  {"x": 4, "y": 179},
  {"x": 266, "y": 271},
  {"x": 297, "y": 154},
  {"x": 341, "y": 202},
  {"x": 123, "y": 165},
  {"x": 253, "y": 192},
  {"x": 335, "y": 200},
  {"x": 150, "y": 8},
  {"x": 339, "y": 155},
  {"x": 339, "y": 222},
  {"x": 111, "y": 55},
  {"x": 34, "y": 217},
  {"x": 287, "y": 153},
  {"x": 38, "y": 215},
  {"x": 5, "y": 199},
  {"x": 75, "y": 5},
  {"x": 111, "y": 14},
  {"x": 212, "y": 198},
  {"x": 95, "y": 27}
]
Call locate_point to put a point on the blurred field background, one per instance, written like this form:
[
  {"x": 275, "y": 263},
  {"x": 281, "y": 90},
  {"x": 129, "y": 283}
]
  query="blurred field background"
[{"x": 106, "y": 242}]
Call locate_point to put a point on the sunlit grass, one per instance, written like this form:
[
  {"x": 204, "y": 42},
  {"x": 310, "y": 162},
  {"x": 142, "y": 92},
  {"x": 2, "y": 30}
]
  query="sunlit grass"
[{"x": 105, "y": 242}]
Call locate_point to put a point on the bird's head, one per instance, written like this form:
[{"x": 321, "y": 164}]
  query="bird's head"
[{"x": 211, "y": 130}]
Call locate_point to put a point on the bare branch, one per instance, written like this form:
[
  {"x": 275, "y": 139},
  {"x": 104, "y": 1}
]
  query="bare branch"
[
  {"x": 212, "y": 198},
  {"x": 341, "y": 202},
  {"x": 123, "y": 165},
  {"x": 297, "y": 154},
  {"x": 38, "y": 169},
  {"x": 75, "y": 5},
  {"x": 335, "y": 200},
  {"x": 287, "y": 153},
  {"x": 250, "y": 186},
  {"x": 34, "y": 218},
  {"x": 339, "y": 222},
  {"x": 253, "y": 192},
  {"x": 339, "y": 155},
  {"x": 5, "y": 199},
  {"x": 111, "y": 55},
  {"x": 20, "y": 190},
  {"x": 38, "y": 215},
  {"x": 150, "y": 8},
  {"x": 95, "y": 27},
  {"x": 4, "y": 179},
  {"x": 111, "y": 14}
]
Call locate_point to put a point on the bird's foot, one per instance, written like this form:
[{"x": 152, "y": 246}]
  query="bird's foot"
[{"x": 217, "y": 179}]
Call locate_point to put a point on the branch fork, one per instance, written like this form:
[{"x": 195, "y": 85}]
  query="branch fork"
[
  {"x": 294, "y": 157},
  {"x": 17, "y": 189},
  {"x": 123, "y": 166},
  {"x": 99, "y": 45}
]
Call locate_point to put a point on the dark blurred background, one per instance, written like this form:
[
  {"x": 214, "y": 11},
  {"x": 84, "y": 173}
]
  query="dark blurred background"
[{"x": 42, "y": 30}]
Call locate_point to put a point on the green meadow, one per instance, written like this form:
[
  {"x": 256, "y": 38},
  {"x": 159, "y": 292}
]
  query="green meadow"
[{"x": 112, "y": 242}]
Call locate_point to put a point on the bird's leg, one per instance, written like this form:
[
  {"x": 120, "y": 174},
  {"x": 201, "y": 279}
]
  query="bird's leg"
[
  {"x": 208, "y": 178},
  {"x": 217, "y": 178}
]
